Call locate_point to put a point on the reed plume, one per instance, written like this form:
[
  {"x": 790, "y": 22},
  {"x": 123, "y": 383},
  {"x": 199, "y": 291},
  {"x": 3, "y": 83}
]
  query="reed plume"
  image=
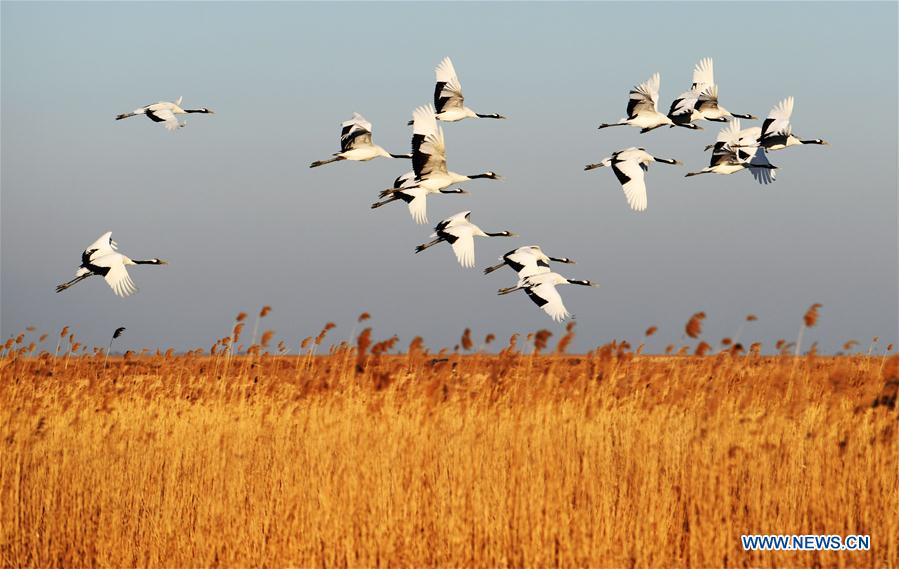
[
  {"x": 118, "y": 332},
  {"x": 694, "y": 325},
  {"x": 562, "y": 346},
  {"x": 362, "y": 344},
  {"x": 541, "y": 337},
  {"x": 467, "y": 344},
  {"x": 808, "y": 321}
]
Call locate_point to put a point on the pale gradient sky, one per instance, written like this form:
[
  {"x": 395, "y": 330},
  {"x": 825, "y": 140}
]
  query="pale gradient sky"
[{"x": 231, "y": 203}]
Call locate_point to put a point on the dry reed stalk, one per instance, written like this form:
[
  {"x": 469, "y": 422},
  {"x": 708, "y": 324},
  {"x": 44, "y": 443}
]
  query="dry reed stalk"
[{"x": 262, "y": 314}]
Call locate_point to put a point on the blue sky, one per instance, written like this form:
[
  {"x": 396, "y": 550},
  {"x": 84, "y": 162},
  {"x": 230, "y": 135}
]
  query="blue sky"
[{"x": 231, "y": 203}]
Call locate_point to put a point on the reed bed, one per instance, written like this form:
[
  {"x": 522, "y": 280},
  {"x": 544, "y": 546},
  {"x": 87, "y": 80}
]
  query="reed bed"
[{"x": 364, "y": 457}]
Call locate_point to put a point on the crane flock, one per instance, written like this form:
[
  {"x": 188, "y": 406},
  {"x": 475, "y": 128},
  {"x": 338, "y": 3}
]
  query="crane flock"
[{"x": 735, "y": 149}]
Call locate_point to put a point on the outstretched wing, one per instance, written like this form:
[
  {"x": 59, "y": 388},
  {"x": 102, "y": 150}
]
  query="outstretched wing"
[
  {"x": 533, "y": 269},
  {"x": 416, "y": 199},
  {"x": 524, "y": 262},
  {"x": 749, "y": 138},
  {"x": 454, "y": 220},
  {"x": 707, "y": 99},
  {"x": 548, "y": 298},
  {"x": 104, "y": 245},
  {"x": 428, "y": 150},
  {"x": 117, "y": 276},
  {"x": 728, "y": 145},
  {"x": 762, "y": 175},
  {"x": 463, "y": 244},
  {"x": 684, "y": 104},
  {"x": 730, "y": 134},
  {"x": 448, "y": 90},
  {"x": 630, "y": 174},
  {"x": 723, "y": 154},
  {"x": 703, "y": 74},
  {"x": 165, "y": 116},
  {"x": 778, "y": 121},
  {"x": 404, "y": 180},
  {"x": 354, "y": 133},
  {"x": 644, "y": 97}
]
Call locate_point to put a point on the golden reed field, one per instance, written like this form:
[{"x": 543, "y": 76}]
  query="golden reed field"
[{"x": 366, "y": 457}]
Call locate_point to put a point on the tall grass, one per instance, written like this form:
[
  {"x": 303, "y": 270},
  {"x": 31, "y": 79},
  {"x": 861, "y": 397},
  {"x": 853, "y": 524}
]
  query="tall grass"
[{"x": 365, "y": 458}]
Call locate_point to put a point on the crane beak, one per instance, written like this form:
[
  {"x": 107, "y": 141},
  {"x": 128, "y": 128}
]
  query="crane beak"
[{"x": 163, "y": 262}]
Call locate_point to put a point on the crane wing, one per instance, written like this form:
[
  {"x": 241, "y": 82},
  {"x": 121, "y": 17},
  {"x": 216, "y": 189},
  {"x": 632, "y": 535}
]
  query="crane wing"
[
  {"x": 418, "y": 204},
  {"x": 778, "y": 121},
  {"x": 165, "y": 116},
  {"x": 749, "y": 137},
  {"x": 103, "y": 243},
  {"x": 522, "y": 261},
  {"x": 723, "y": 154},
  {"x": 731, "y": 133},
  {"x": 644, "y": 97},
  {"x": 428, "y": 149},
  {"x": 548, "y": 298},
  {"x": 117, "y": 276},
  {"x": 404, "y": 181},
  {"x": 354, "y": 133},
  {"x": 703, "y": 74},
  {"x": 707, "y": 99},
  {"x": 533, "y": 269},
  {"x": 462, "y": 241},
  {"x": 448, "y": 90},
  {"x": 761, "y": 175},
  {"x": 454, "y": 220},
  {"x": 630, "y": 174},
  {"x": 684, "y": 104}
]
